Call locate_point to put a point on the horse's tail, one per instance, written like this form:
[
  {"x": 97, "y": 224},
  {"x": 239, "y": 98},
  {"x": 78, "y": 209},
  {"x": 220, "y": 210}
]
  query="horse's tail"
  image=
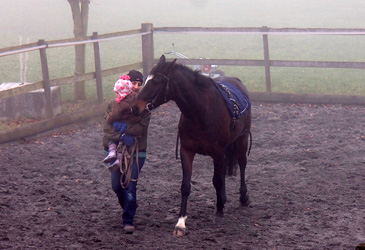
[
  {"x": 249, "y": 148},
  {"x": 177, "y": 146},
  {"x": 232, "y": 159}
]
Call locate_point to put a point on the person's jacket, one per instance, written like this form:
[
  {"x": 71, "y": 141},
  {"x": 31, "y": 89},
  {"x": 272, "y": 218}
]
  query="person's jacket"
[
  {"x": 122, "y": 111},
  {"x": 139, "y": 129}
]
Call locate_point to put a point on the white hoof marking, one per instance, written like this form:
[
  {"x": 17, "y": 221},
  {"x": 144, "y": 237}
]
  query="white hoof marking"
[{"x": 181, "y": 222}]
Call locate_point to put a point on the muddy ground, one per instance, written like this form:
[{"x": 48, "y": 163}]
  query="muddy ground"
[{"x": 305, "y": 175}]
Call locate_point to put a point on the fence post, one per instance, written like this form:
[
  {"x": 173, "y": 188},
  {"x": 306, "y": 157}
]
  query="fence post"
[
  {"x": 267, "y": 60},
  {"x": 46, "y": 82},
  {"x": 98, "y": 78},
  {"x": 147, "y": 48}
]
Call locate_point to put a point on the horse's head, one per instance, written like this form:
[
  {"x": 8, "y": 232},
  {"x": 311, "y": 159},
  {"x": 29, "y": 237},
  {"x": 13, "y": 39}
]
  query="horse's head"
[{"x": 156, "y": 87}]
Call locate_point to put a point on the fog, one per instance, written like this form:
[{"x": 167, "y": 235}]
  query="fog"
[{"x": 51, "y": 19}]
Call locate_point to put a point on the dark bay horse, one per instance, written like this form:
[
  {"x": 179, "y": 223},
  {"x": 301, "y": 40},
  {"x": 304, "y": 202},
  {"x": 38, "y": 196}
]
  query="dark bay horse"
[{"x": 205, "y": 126}]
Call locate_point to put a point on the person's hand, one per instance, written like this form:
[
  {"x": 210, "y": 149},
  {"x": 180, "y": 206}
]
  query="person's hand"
[
  {"x": 128, "y": 140},
  {"x": 119, "y": 127}
]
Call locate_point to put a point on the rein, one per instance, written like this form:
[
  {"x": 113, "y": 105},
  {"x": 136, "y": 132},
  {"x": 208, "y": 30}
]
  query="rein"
[
  {"x": 126, "y": 162},
  {"x": 150, "y": 106}
]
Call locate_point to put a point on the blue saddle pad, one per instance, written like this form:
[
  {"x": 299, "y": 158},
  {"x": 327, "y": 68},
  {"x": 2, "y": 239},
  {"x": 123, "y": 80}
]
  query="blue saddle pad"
[{"x": 237, "y": 102}]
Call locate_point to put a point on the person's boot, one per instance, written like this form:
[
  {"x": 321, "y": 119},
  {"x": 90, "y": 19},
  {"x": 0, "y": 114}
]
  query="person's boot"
[
  {"x": 116, "y": 164},
  {"x": 129, "y": 229},
  {"x": 112, "y": 156}
]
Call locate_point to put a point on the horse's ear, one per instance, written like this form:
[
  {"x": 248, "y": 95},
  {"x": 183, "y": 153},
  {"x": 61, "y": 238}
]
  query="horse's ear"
[
  {"x": 162, "y": 59},
  {"x": 171, "y": 65}
]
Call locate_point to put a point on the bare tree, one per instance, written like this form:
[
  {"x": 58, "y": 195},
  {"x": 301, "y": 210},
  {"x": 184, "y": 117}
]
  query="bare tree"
[{"x": 80, "y": 15}]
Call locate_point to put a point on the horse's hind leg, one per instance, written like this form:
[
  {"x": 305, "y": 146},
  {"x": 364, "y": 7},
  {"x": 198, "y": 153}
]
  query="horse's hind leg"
[{"x": 242, "y": 146}]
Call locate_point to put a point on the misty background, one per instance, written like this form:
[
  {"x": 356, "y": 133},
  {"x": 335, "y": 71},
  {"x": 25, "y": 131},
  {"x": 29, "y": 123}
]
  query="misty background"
[{"x": 52, "y": 19}]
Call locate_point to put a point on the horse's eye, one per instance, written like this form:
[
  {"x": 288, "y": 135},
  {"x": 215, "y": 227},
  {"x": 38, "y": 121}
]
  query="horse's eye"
[
  {"x": 157, "y": 80},
  {"x": 160, "y": 78}
]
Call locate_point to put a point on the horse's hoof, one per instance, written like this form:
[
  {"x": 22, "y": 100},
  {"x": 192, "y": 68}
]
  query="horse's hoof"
[
  {"x": 245, "y": 201},
  {"x": 218, "y": 218},
  {"x": 219, "y": 214},
  {"x": 179, "y": 231},
  {"x": 361, "y": 246}
]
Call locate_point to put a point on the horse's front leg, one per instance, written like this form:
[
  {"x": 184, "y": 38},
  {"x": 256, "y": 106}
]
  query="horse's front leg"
[
  {"x": 187, "y": 158},
  {"x": 219, "y": 182}
]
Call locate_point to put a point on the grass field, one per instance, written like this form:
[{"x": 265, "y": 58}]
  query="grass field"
[{"x": 50, "y": 20}]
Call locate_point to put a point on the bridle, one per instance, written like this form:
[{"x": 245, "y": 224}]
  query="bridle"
[{"x": 151, "y": 105}]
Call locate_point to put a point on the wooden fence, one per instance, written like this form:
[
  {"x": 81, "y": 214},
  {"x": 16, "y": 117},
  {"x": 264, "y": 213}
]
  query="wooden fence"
[{"x": 147, "y": 32}]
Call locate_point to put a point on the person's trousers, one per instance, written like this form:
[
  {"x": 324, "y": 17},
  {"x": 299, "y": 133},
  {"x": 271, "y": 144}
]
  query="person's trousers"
[{"x": 127, "y": 197}]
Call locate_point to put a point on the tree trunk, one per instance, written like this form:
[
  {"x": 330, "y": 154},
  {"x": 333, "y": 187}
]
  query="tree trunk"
[{"x": 80, "y": 15}]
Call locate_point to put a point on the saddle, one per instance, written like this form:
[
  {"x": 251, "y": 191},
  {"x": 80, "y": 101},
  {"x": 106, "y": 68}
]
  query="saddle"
[{"x": 237, "y": 102}]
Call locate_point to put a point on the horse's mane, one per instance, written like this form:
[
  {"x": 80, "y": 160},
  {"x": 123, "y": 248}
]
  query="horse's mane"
[
  {"x": 200, "y": 79},
  {"x": 195, "y": 75}
]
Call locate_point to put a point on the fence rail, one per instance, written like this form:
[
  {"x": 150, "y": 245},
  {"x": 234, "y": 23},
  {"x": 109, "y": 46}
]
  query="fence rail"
[
  {"x": 69, "y": 42},
  {"x": 267, "y": 63},
  {"x": 147, "y": 33},
  {"x": 275, "y": 63},
  {"x": 260, "y": 30}
]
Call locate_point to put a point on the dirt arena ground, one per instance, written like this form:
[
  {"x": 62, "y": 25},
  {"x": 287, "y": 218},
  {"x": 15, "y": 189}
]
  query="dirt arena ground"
[{"x": 305, "y": 175}]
